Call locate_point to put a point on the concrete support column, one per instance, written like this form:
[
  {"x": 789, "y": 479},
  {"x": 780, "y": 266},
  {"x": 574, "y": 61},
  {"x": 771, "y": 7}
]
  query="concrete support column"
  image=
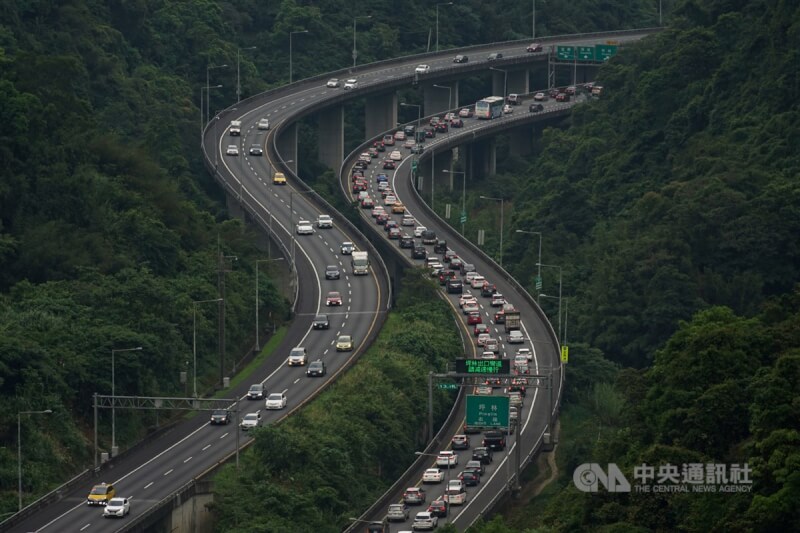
[
  {"x": 520, "y": 140},
  {"x": 437, "y": 100},
  {"x": 381, "y": 114},
  {"x": 498, "y": 83},
  {"x": 518, "y": 81},
  {"x": 492, "y": 157},
  {"x": 485, "y": 157},
  {"x": 331, "y": 128},
  {"x": 287, "y": 145}
]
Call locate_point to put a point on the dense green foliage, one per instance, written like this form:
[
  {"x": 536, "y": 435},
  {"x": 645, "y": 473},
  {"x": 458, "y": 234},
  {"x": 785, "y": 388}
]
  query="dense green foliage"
[{"x": 341, "y": 451}]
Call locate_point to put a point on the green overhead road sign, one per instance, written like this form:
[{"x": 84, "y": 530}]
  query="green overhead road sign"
[
  {"x": 566, "y": 53},
  {"x": 414, "y": 165},
  {"x": 586, "y": 53},
  {"x": 538, "y": 283},
  {"x": 447, "y": 386},
  {"x": 487, "y": 411},
  {"x": 604, "y": 51},
  {"x": 463, "y": 217}
]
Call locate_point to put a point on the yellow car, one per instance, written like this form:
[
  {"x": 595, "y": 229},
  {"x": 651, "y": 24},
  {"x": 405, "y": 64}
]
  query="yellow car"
[
  {"x": 398, "y": 207},
  {"x": 101, "y": 494},
  {"x": 278, "y": 179},
  {"x": 344, "y": 343}
]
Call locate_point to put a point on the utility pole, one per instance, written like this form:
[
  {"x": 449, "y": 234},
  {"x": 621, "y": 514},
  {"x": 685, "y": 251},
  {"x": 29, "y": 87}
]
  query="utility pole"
[{"x": 221, "y": 270}]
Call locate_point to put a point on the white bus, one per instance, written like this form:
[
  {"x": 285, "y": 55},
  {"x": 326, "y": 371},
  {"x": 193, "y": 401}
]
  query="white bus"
[{"x": 491, "y": 107}]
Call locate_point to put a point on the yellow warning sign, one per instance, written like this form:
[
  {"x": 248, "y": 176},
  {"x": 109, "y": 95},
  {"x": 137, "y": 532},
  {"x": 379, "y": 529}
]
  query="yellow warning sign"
[{"x": 564, "y": 354}]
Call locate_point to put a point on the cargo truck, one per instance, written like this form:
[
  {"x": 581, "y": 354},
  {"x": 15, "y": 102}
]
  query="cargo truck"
[
  {"x": 235, "y": 128},
  {"x": 513, "y": 320},
  {"x": 360, "y": 263}
]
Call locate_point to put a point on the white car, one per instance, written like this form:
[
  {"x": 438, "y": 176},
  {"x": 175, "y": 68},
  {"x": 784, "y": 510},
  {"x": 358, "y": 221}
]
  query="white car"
[
  {"x": 507, "y": 109},
  {"x": 297, "y": 357},
  {"x": 263, "y": 124},
  {"x": 408, "y": 220},
  {"x": 465, "y": 299},
  {"x": 471, "y": 307},
  {"x": 276, "y": 400},
  {"x": 487, "y": 355},
  {"x": 425, "y": 520},
  {"x": 232, "y": 150},
  {"x": 477, "y": 281},
  {"x": 394, "y": 156},
  {"x": 304, "y": 227},
  {"x": 422, "y": 69},
  {"x": 540, "y": 97},
  {"x": 324, "y": 221},
  {"x": 447, "y": 459},
  {"x": 433, "y": 475},
  {"x": 455, "y": 484},
  {"x": 332, "y": 83},
  {"x": 526, "y": 352},
  {"x": 347, "y": 248},
  {"x": 515, "y": 337},
  {"x": 483, "y": 390},
  {"x": 419, "y": 230},
  {"x": 117, "y": 507},
  {"x": 250, "y": 421},
  {"x": 352, "y": 83}
]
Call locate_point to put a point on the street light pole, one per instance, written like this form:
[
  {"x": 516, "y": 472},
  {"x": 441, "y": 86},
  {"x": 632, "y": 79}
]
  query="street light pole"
[
  {"x": 437, "y": 21},
  {"x": 202, "y": 123},
  {"x": 113, "y": 396},
  {"x": 19, "y": 446},
  {"x": 258, "y": 345},
  {"x": 355, "y": 50},
  {"x": 539, "y": 262},
  {"x": 208, "y": 69},
  {"x": 463, "y": 196},
  {"x": 194, "y": 340},
  {"x": 238, "y": 77},
  {"x": 502, "y": 223},
  {"x": 560, "y": 272},
  {"x": 290, "y": 51}
]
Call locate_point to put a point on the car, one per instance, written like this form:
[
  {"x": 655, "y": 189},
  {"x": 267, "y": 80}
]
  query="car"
[
  {"x": 400, "y": 135},
  {"x": 457, "y": 123},
  {"x": 482, "y": 338},
  {"x": 417, "y": 149},
  {"x": 438, "y": 508},
  {"x": 466, "y": 112},
  {"x": 377, "y": 211},
  {"x": 373, "y": 152},
  {"x": 468, "y": 297},
  {"x": 257, "y": 391},
  {"x": 256, "y": 150},
  {"x": 492, "y": 345},
  {"x": 117, "y": 507},
  {"x": 381, "y": 219},
  {"x": 489, "y": 355},
  {"x": 397, "y": 511},
  {"x": 394, "y": 233},
  {"x": 419, "y": 252},
  {"x": 526, "y": 352},
  {"x": 388, "y": 139},
  {"x": 389, "y": 200},
  {"x": 534, "y": 47},
  {"x": 476, "y": 281},
  {"x": 220, "y": 417},
  {"x": 422, "y": 69},
  {"x": 408, "y": 220},
  {"x": 540, "y": 97},
  {"x": 455, "y": 485},
  {"x": 470, "y": 307},
  {"x": 324, "y": 222},
  {"x": 508, "y": 109},
  {"x": 382, "y": 177},
  {"x": 425, "y": 521},
  {"x": 494, "y": 440},
  {"x": 430, "y": 132},
  {"x": 433, "y": 475},
  {"x": 487, "y": 289},
  {"x": 470, "y": 478},
  {"x": 535, "y": 108},
  {"x": 232, "y": 150},
  {"x": 321, "y": 322},
  {"x": 101, "y": 494},
  {"x": 482, "y": 454},
  {"x": 395, "y": 155},
  {"x": 304, "y": 227},
  {"x": 474, "y": 318},
  {"x": 498, "y": 300},
  {"x": 352, "y": 83},
  {"x": 344, "y": 343},
  {"x": 480, "y": 329},
  {"x": 442, "y": 127},
  {"x": 475, "y": 465},
  {"x": 398, "y": 207},
  {"x": 460, "y": 442},
  {"x": 316, "y": 368},
  {"x": 454, "y": 286},
  {"x": 515, "y": 399},
  {"x": 332, "y": 272},
  {"x": 419, "y": 230},
  {"x": 347, "y": 248},
  {"x": 406, "y": 241},
  {"x": 380, "y": 146},
  {"x": 297, "y": 357},
  {"x": 483, "y": 390},
  {"x": 515, "y": 337},
  {"x": 263, "y": 124},
  {"x": 333, "y": 83},
  {"x": 460, "y": 58},
  {"x": 250, "y": 421},
  {"x": 517, "y": 385},
  {"x": 333, "y": 298},
  {"x": 428, "y": 237},
  {"x": 562, "y": 97},
  {"x": 415, "y": 495},
  {"x": 494, "y": 56},
  {"x": 552, "y": 93},
  {"x": 572, "y": 90},
  {"x": 388, "y": 164},
  {"x": 447, "y": 459},
  {"x": 279, "y": 178},
  {"x": 276, "y": 400}
]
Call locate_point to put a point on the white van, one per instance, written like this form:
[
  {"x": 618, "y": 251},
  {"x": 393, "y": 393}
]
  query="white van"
[{"x": 456, "y": 495}]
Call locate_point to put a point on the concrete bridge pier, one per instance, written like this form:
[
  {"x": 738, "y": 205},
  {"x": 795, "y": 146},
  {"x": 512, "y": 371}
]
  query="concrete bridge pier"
[
  {"x": 439, "y": 97},
  {"x": 287, "y": 145},
  {"x": 520, "y": 140},
  {"x": 331, "y": 129},
  {"x": 380, "y": 113}
]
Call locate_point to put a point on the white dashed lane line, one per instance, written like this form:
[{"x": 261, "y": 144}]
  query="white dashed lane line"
[
  {"x": 207, "y": 446},
  {"x": 168, "y": 472},
  {"x": 148, "y": 485},
  {"x": 187, "y": 460}
]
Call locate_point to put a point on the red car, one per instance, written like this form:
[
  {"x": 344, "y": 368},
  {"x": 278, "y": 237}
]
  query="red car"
[
  {"x": 474, "y": 318},
  {"x": 360, "y": 185},
  {"x": 334, "y": 298},
  {"x": 367, "y": 203},
  {"x": 388, "y": 164},
  {"x": 457, "y": 123},
  {"x": 438, "y": 508},
  {"x": 381, "y": 219},
  {"x": 394, "y": 233},
  {"x": 534, "y": 47},
  {"x": 442, "y": 127}
]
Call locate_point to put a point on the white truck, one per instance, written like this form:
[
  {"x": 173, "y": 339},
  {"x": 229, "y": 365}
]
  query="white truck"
[
  {"x": 236, "y": 127},
  {"x": 360, "y": 263}
]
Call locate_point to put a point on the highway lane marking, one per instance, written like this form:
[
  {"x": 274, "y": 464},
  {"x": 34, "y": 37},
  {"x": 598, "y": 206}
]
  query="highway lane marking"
[
  {"x": 87, "y": 525},
  {"x": 295, "y": 381},
  {"x": 187, "y": 459},
  {"x": 148, "y": 485},
  {"x": 168, "y": 472},
  {"x": 226, "y": 434},
  {"x": 207, "y": 446}
]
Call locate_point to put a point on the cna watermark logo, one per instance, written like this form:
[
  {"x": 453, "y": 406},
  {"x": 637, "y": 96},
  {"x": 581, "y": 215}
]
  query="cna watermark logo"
[{"x": 687, "y": 477}]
